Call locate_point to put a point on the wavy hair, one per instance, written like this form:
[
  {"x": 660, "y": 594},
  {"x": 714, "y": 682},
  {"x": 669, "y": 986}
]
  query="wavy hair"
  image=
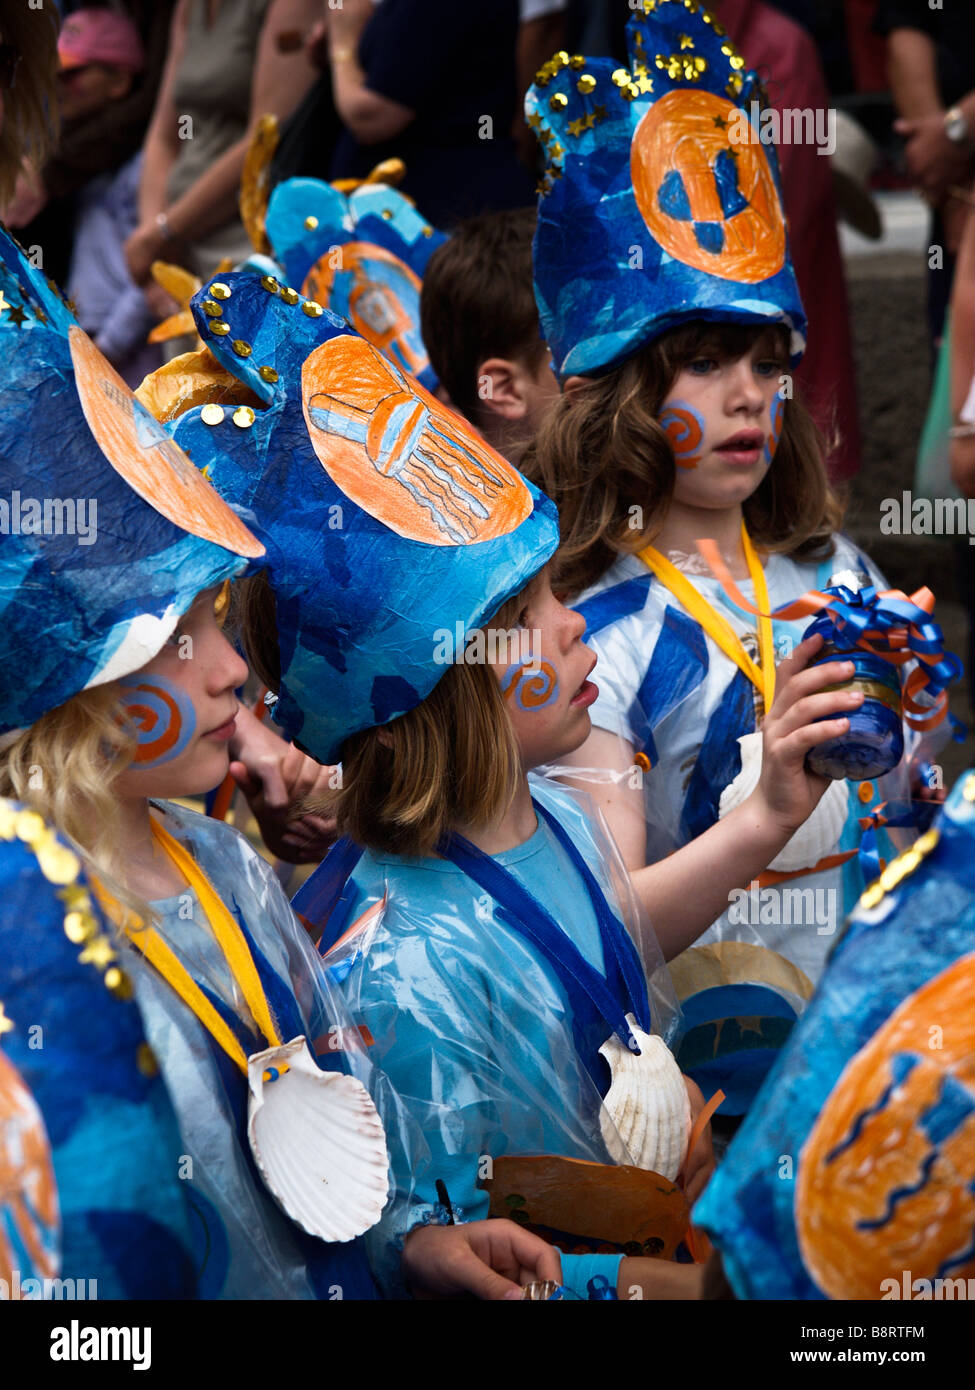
[
  {"x": 603, "y": 458},
  {"x": 30, "y": 106}
]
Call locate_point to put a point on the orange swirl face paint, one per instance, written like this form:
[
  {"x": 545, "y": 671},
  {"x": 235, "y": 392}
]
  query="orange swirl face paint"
[{"x": 684, "y": 428}]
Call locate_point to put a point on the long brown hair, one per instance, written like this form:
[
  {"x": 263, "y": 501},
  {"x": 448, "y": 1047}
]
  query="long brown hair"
[
  {"x": 30, "y": 107},
  {"x": 604, "y": 459}
]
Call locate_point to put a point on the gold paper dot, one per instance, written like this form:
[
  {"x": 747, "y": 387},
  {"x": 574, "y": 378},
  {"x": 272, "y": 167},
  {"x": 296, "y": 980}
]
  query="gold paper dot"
[
  {"x": 211, "y": 308},
  {"x": 241, "y": 348},
  {"x": 269, "y": 283},
  {"x": 212, "y": 414},
  {"x": 267, "y": 374},
  {"x": 79, "y": 926},
  {"x": 118, "y": 983},
  {"x": 243, "y": 415},
  {"x": 30, "y": 826},
  {"x": 586, "y": 83},
  {"x": 312, "y": 308},
  {"x": 145, "y": 1058},
  {"x": 220, "y": 328},
  {"x": 559, "y": 101},
  {"x": 289, "y": 295},
  {"x": 311, "y": 223},
  {"x": 387, "y": 213},
  {"x": 621, "y": 77},
  {"x": 219, "y": 290}
]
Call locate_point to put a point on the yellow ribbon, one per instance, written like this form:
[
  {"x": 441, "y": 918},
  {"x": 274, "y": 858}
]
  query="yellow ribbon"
[
  {"x": 716, "y": 625},
  {"x": 229, "y": 938}
]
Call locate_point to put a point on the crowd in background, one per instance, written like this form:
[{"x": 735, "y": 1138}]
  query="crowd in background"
[{"x": 158, "y": 102}]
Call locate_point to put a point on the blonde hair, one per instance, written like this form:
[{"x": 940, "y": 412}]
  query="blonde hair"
[
  {"x": 603, "y": 457},
  {"x": 30, "y": 107},
  {"x": 65, "y": 767},
  {"x": 453, "y": 760}
]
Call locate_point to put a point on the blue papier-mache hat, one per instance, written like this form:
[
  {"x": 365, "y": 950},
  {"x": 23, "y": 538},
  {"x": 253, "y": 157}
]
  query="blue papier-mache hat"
[
  {"x": 89, "y": 1143},
  {"x": 851, "y": 1177},
  {"x": 659, "y": 203},
  {"x": 107, "y": 530},
  {"x": 363, "y": 256},
  {"x": 391, "y": 529}
]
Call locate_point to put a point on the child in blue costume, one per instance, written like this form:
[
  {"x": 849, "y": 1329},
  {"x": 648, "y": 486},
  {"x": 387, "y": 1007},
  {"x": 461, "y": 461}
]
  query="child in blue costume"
[
  {"x": 91, "y": 1194},
  {"x": 409, "y": 628},
  {"x": 118, "y": 687},
  {"x": 673, "y": 316}
]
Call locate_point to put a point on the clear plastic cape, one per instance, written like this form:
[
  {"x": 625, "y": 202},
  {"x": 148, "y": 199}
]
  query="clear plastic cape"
[
  {"x": 470, "y": 1023},
  {"x": 247, "y": 1247}
]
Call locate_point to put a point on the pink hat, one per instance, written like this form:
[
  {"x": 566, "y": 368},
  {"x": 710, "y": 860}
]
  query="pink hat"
[{"x": 100, "y": 36}]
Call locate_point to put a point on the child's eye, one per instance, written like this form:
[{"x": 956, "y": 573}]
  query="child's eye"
[
  {"x": 767, "y": 367},
  {"x": 701, "y": 365}
]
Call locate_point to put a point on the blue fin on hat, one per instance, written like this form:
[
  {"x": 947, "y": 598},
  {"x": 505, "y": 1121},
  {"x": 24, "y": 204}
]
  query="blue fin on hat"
[
  {"x": 659, "y": 203},
  {"x": 362, "y": 255},
  {"x": 391, "y": 528},
  {"x": 96, "y": 1162},
  {"x": 107, "y": 530}
]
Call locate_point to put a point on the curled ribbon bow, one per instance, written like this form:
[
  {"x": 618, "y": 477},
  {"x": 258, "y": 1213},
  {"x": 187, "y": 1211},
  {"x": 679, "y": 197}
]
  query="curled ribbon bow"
[{"x": 885, "y": 623}]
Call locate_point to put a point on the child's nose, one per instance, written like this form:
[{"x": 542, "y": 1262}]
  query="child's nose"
[
  {"x": 228, "y": 669},
  {"x": 745, "y": 388}
]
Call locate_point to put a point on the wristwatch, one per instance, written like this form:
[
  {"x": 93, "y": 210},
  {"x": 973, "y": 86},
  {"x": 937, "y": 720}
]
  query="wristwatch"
[{"x": 956, "y": 126}]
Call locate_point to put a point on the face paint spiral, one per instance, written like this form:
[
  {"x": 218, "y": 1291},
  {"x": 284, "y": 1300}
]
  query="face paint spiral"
[
  {"x": 162, "y": 716},
  {"x": 777, "y": 413},
  {"x": 684, "y": 427},
  {"x": 532, "y": 684}
]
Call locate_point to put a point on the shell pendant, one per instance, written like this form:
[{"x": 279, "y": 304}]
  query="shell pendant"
[
  {"x": 645, "y": 1117},
  {"x": 318, "y": 1142}
]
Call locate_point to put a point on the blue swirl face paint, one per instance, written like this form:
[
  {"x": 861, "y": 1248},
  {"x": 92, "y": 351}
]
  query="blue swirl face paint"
[
  {"x": 684, "y": 428},
  {"x": 777, "y": 415},
  {"x": 531, "y": 684},
  {"x": 161, "y": 715}
]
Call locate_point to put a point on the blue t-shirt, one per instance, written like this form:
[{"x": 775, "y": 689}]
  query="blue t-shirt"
[{"x": 467, "y": 1018}]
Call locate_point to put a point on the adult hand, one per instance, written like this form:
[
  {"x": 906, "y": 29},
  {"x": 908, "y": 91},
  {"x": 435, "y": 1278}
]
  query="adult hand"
[
  {"x": 485, "y": 1259},
  {"x": 145, "y": 245},
  {"x": 934, "y": 161}
]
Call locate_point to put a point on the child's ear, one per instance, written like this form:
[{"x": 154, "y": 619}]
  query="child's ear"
[
  {"x": 502, "y": 387},
  {"x": 573, "y": 385}
]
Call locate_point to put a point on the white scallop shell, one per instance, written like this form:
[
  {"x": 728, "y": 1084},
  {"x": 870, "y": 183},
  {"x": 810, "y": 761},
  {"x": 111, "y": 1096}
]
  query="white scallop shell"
[
  {"x": 646, "y": 1114},
  {"x": 318, "y": 1142},
  {"x": 816, "y": 837}
]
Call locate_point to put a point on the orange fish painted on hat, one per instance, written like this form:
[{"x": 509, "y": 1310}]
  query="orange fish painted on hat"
[
  {"x": 884, "y": 1179},
  {"x": 401, "y": 455}
]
